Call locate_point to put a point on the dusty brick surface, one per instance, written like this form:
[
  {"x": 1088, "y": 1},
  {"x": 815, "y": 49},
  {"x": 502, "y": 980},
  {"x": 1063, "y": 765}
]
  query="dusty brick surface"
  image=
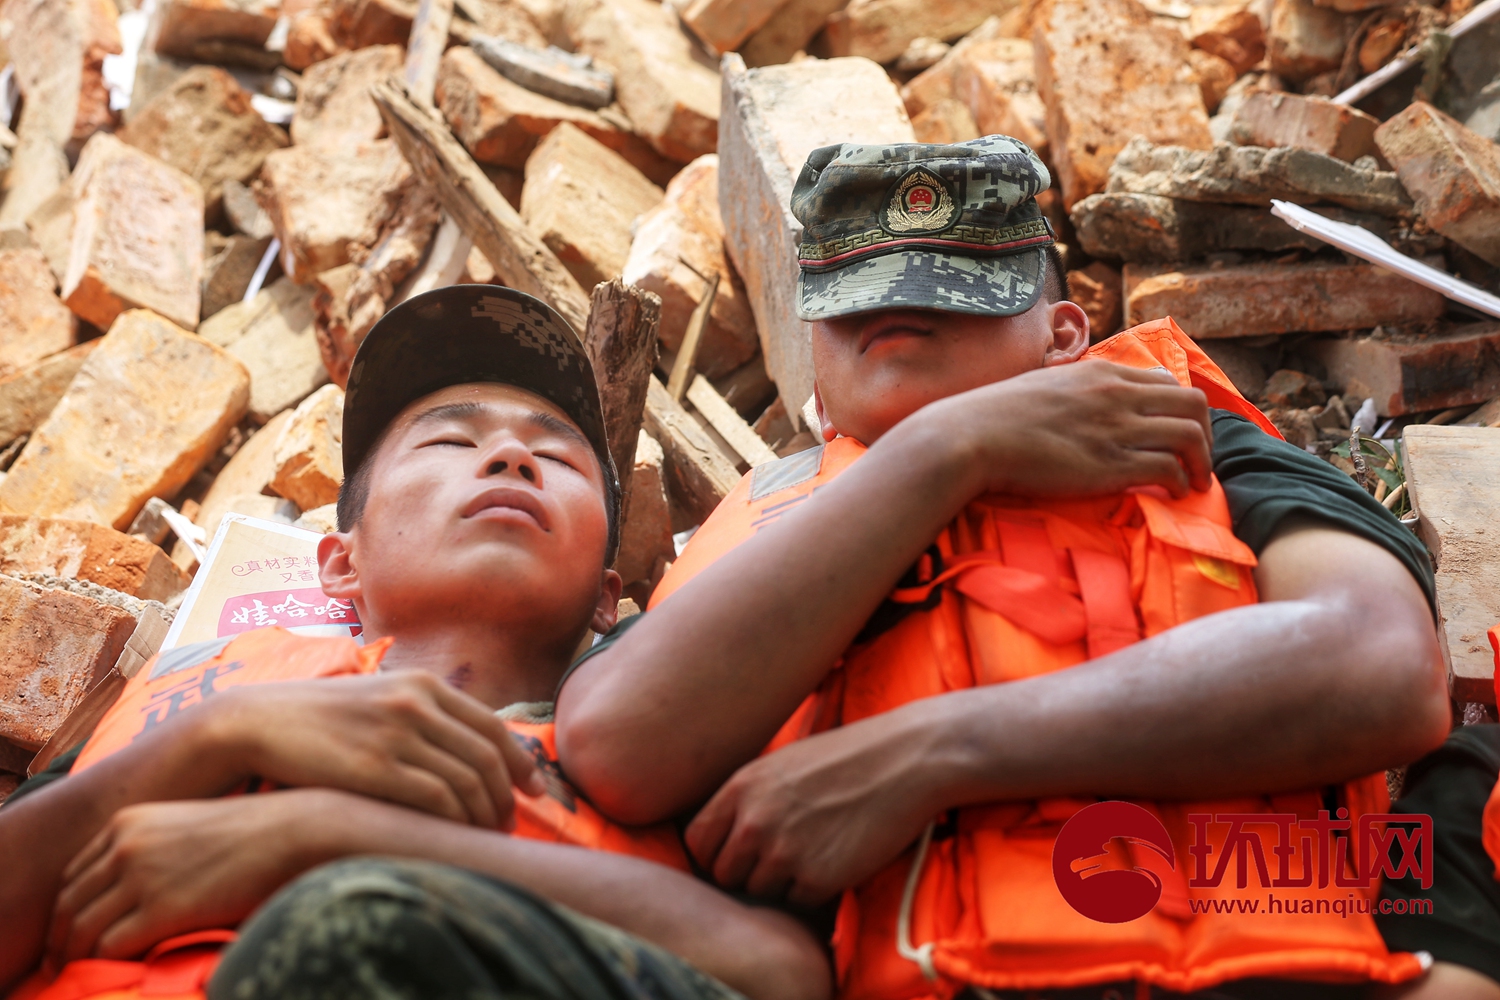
[
  {"x": 1230, "y": 31},
  {"x": 137, "y": 237},
  {"x": 996, "y": 81},
  {"x": 1097, "y": 289},
  {"x": 58, "y": 51},
  {"x": 581, "y": 198},
  {"x": 27, "y": 396},
  {"x": 1252, "y": 299},
  {"x": 1453, "y": 175},
  {"x": 646, "y": 535},
  {"x": 148, "y": 407},
  {"x": 204, "y": 126},
  {"x": 333, "y": 102},
  {"x": 676, "y": 242},
  {"x": 53, "y": 647},
  {"x": 33, "y": 321},
  {"x": 1107, "y": 73},
  {"x": 946, "y": 122},
  {"x": 309, "y": 451},
  {"x": 882, "y": 29},
  {"x": 188, "y": 29},
  {"x": 723, "y": 24},
  {"x": 1314, "y": 123},
  {"x": 83, "y": 550},
  {"x": 249, "y": 470},
  {"x": 1406, "y": 373},
  {"x": 272, "y": 336},
  {"x": 1305, "y": 39}
]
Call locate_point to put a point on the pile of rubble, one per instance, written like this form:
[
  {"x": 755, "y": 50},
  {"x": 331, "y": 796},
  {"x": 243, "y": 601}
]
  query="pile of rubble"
[{"x": 208, "y": 203}]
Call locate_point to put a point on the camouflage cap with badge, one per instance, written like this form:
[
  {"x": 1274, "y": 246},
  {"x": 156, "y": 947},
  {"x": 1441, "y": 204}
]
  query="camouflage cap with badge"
[{"x": 915, "y": 226}]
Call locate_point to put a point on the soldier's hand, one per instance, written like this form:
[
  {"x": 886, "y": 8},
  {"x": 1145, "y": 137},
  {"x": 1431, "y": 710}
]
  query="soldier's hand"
[
  {"x": 404, "y": 736},
  {"x": 1090, "y": 428}
]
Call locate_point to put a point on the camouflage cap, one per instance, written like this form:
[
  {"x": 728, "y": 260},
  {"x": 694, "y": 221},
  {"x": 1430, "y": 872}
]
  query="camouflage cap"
[{"x": 920, "y": 226}]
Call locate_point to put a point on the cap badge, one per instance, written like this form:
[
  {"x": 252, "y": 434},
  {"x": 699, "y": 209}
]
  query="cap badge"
[{"x": 920, "y": 203}]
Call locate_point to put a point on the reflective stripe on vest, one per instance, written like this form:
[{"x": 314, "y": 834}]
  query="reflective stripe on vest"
[
  {"x": 179, "y": 679},
  {"x": 1014, "y": 588}
]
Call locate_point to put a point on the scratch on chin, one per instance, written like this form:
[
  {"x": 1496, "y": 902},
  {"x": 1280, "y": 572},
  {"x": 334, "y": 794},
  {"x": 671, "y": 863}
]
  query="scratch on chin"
[{"x": 460, "y": 676}]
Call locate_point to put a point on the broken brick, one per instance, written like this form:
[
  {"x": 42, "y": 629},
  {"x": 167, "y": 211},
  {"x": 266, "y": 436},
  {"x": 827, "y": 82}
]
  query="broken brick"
[
  {"x": 309, "y": 451},
  {"x": 272, "y": 336},
  {"x": 1252, "y": 299},
  {"x": 83, "y": 550},
  {"x": 29, "y": 395},
  {"x": 1305, "y": 39},
  {"x": 997, "y": 82},
  {"x": 1232, "y": 32},
  {"x": 678, "y": 245},
  {"x": 58, "y": 52},
  {"x": 204, "y": 126},
  {"x": 946, "y": 122},
  {"x": 1314, "y": 123},
  {"x": 249, "y": 470},
  {"x": 723, "y": 24},
  {"x": 882, "y": 29},
  {"x": 646, "y": 532},
  {"x": 1096, "y": 289},
  {"x": 1410, "y": 373},
  {"x": 137, "y": 236},
  {"x": 1215, "y": 76},
  {"x": 229, "y": 266},
  {"x": 1288, "y": 388},
  {"x": 33, "y": 321},
  {"x": 333, "y": 101},
  {"x": 148, "y": 407},
  {"x": 581, "y": 198},
  {"x": 53, "y": 647},
  {"x": 198, "y": 29},
  {"x": 1453, "y": 175},
  {"x": 1107, "y": 73},
  {"x": 788, "y": 31}
]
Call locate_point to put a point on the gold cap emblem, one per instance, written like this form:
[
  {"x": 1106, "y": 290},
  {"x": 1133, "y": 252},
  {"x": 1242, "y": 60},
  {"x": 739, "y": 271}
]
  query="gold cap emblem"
[{"x": 920, "y": 203}]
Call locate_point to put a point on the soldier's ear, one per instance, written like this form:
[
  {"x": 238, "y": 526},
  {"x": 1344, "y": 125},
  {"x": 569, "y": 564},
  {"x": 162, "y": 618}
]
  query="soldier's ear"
[
  {"x": 337, "y": 573},
  {"x": 1069, "y": 327}
]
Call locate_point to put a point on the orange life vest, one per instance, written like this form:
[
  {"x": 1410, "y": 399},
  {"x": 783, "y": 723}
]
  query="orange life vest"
[
  {"x": 1491, "y": 831},
  {"x": 179, "y": 679},
  {"x": 1014, "y": 588}
]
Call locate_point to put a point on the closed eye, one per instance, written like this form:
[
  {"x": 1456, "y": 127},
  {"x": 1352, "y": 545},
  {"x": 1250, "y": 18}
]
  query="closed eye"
[{"x": 454, "y": 442}]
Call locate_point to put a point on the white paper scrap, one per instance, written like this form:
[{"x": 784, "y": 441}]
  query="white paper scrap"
[{"x": 1363, "y": 243}]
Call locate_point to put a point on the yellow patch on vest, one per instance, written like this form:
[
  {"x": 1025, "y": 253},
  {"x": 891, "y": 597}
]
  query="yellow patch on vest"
[{"x": 1220, "y": 572}]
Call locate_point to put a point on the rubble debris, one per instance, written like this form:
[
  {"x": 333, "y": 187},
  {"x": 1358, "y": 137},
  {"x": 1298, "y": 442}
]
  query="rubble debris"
[
  {"x": 1412, "y": 372},
  {"x": 1453, "y": 175},
  {"x": 788, "y": 31},
  {"x": 1250, "y": 299},
  {"x": 1290, "y": 388},
  {"x": 272, "y": 336},
  {"x": 1245, "y": 366},
  {"x": 678, "y": 246},
  {"x": 1215, "y": 76},
  {"x": 935, "y": 84},
  {"x": 333, "y": 103},
  {"x": 996, "y": 81},
  {"x": 204, "y": 126},
  {"x": 1097, "y": 289},
  {"x": 670, "y": 97},
  {"x": 309, "y": 451},
  {"x": 309, "y": 40},
  {"x": 29, "y": 395},
  {"x": 881, "y": 30},
  {"x": 922, "y": 53},
  {"x": 773, "y": 118},
  {"x": 646, "y": 530},
  {"x": 746, "y": 447},
  {"x": 563, "y": 76},
  {"x": 137, "y": 237},
  {"x": 722, "y": 25},
  {"x": 1250, "y": 175},
  {"x": 50, "y": 225},
  {"x": 1107, "y": 72},
  {"x": 1447, "y": 469},
  {"x": 581, "y": 198},
  {"x": 1232, "y": 31},
  {"x": 948, "y": 121},
  {"x": 257, "y": 505},
  {"x": 83, "y": 550},
  {"x": 322, "y": 519},
  {"x": 244, "y": 212},
  {"x": 58, "y": 52},
  {"x": 149, "y": 406},
  {"x": 53, "y": 646},
  {"x": 229, "y": 265},
  {"x": 1305, "y": 39},
  {"x": 1314, "y": 123},
  {"x": 201, "y": 30},
  {"x": 33, "y": 321},
  {"x": 1148, "y": 227},
  {"x": 249, "y": 470},
  {"x": 698, "y": 473},
  {"x": 621, "y": 342}
]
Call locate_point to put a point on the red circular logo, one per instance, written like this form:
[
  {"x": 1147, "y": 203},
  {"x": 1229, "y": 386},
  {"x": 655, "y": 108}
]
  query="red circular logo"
[
  {"x": 921, "y": 199},
  {"x": 1110, "y": 896}
]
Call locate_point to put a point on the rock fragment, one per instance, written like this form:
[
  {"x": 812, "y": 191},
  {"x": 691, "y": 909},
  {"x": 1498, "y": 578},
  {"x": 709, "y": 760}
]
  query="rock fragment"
[
  {"x": 678, "y": 245},
  {"x": 148, "y": 407},
  {"x": 1230, "y": 31},
  {"x": 137, "y": 237},
  {"x": 309, "y": 455},
  {"x": 1107, "y": 73},
  {"x": 581, "y": 198},
  {"x": 1252, "y": 299},
  {"x": 1097, "y": 289}
]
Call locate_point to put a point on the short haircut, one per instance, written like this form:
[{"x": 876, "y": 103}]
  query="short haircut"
[
  {"x": 354, "y": 493},
  {"x": 1054, "y": 276}
]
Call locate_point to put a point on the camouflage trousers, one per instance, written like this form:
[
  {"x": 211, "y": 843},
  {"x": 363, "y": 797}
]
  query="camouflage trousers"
[{"x": 382, "y": 928}]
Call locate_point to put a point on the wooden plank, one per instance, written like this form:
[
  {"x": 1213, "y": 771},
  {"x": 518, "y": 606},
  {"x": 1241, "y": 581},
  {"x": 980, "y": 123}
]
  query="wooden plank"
[
  {"x": 687, "y": 351},
  {"x": 1451, "y": 474},
  {"x": 621, "y": 344},
  {"x": 699, "y": 475},
  {"x": 424, "y": 48},
  {"x": 729, "y": 424},
  {"x": 522, "y": 261}
]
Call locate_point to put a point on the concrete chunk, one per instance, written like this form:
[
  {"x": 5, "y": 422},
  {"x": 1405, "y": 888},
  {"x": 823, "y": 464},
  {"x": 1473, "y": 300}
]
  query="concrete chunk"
[
  {"x": 272, "y": 336},
  {"x": 881, "y": 30},
  {"x": 137, "y": 237},
  {"x": 1107, "y": 73},
  {"x": 33, "y": 321},
  {"x": 28, "y": 396},
  {"x": 773, "y": 118},
  {"x": 82, "y": 550},
  {"x": 677, "y": 245},
  {"x": 1314, "y": 123},
  {"x": 333, "y": 102},
  {"x": 581, "y": 198},
  {"x": 309, "y": 453},
  {"x": 1452, "y": 173},
  {"x": 53, "y": 647},
  {"x": 1250, "y": 175},
  {"x": 148, "y": 407},
  {"x": 672, "y": 99},
  {"x": 1410, "y": 373},
  {"x": 1252, "y": 299},
  {"x": 204, "y": 126}
]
